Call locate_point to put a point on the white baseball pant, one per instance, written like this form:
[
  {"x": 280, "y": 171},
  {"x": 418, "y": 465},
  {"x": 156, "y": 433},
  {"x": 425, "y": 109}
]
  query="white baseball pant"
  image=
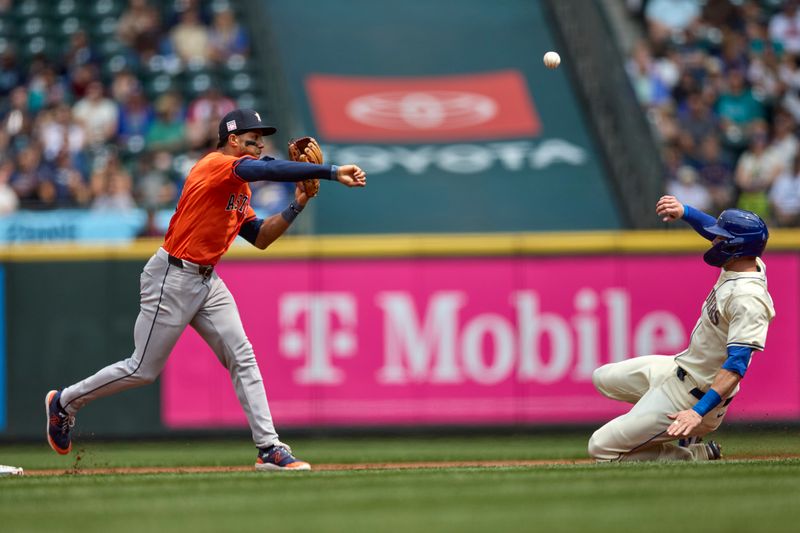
[{"x": 652, "y": 385}]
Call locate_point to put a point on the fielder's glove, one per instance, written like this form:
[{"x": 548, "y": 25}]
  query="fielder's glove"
[{"x": 307, "y": 150}]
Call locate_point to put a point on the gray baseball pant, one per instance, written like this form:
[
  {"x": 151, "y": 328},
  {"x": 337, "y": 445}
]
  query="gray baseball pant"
[{"x": 171, "y": 299}]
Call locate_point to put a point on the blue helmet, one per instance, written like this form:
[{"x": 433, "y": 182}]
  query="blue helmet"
[{"x": 744, "y": 234}]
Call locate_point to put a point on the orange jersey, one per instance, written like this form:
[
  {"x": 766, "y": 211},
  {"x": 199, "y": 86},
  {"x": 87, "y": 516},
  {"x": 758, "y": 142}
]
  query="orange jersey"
[{"x": 214, "y": 204}]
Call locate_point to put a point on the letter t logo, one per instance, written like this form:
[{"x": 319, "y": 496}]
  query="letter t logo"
[{"x": 315, "y": 336}]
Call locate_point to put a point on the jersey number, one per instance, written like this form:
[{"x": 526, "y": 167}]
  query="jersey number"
[{"x": 237, "y": 202}]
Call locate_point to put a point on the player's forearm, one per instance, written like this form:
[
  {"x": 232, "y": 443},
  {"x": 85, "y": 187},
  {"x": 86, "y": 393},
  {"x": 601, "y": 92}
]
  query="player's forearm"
[
  {"x": 699, "y": 221},
  {"x": 276, "y": 225},
  {"x": 725, "y": 381},
  {"x": 287, "y": 171},
  {"x": 272, "y": 228}
]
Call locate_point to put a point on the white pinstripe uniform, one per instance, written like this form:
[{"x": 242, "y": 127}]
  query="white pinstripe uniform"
[{"x": 737, "y": 312}]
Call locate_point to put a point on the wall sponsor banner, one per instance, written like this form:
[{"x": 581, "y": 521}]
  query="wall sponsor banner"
[
  {"x": 444, "y": 132},
  {"x": 477, "y": 341},
  {"x": 478, "y": 106},
  {"x": 71, "y": 225}
]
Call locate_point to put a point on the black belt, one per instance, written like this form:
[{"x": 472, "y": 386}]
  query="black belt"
[
  {"x": 203, "y": 270},
  {"x": 697, "y": 393}
]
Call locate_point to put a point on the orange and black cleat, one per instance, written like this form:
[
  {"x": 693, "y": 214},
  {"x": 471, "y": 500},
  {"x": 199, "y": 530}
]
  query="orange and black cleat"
[
  {"x": 279, "y": 457},
  {"x": 59, "y": 423}
]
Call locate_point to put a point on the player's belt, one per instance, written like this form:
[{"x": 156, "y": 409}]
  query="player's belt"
[
  {"x": 697, "y": 393},
  {"x": 203, "y": 270}
]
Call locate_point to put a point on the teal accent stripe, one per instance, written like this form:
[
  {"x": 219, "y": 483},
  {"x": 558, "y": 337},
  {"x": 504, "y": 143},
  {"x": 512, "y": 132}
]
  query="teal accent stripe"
[{"x": 2, "y": 348}]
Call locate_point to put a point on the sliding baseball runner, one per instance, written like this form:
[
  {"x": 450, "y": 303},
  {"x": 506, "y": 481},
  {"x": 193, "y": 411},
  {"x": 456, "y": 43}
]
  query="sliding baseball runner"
[{"x": 687, "y": 396}]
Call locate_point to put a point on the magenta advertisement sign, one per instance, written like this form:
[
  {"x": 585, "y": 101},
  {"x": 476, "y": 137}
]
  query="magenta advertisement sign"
[{"x": 466, "y": 341}]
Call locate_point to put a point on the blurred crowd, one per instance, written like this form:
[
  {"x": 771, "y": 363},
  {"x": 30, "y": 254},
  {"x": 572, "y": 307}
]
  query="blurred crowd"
[
  {"x": 720, "y": 82},
  {"x": 108, "y": 127}
]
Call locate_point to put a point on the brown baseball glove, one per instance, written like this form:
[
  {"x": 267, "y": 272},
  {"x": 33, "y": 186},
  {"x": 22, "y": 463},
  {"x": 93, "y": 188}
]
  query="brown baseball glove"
[{"x": 307, "y": 150}]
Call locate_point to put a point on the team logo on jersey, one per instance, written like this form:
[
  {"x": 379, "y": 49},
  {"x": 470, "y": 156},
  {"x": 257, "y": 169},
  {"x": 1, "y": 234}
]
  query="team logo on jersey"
[
  {"x": 711, "y": 307},
  {"x": 237, "y": 202},
  {"x": 231, "y": 125}
]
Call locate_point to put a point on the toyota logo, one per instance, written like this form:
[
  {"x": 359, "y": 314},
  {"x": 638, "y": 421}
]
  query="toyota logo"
[{"x": 422, "y": 110}]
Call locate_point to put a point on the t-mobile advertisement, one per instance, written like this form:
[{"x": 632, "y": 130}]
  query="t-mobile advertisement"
[{"x": 467, "y": 341}]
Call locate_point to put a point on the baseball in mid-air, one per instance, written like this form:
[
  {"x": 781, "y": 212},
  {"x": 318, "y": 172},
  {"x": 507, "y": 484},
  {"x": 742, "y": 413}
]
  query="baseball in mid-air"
[{"x": 552, "y": 59}]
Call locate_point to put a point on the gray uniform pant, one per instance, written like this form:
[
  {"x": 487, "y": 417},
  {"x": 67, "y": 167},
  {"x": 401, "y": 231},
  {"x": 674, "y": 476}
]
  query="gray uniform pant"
[
  {"x": 652, "y": 385},
  {"x": 171, "y": 299}
]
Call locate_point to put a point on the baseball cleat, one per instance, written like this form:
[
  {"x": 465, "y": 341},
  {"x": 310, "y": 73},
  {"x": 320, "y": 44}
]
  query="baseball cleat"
[
  {"x": 714, "y": 450},
  {"x": 279, "y": 457},
  {"x": 58, "y": 423}
]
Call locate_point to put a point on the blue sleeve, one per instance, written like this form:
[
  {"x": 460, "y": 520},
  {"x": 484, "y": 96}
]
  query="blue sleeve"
[
  {"x": 268, "y": 169},
  {"x": 249, "y": 230},
  {"x": 738, "y": 359},
  {"x": 698, "y": 221}
]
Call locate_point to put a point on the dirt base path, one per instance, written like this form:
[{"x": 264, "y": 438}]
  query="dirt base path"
[{"x": 337, "y": 467}]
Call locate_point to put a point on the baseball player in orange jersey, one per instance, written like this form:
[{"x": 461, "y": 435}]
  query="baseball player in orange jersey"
[
  {"x": 686, "y": 396},
  {"x": 179, "y": 286}
]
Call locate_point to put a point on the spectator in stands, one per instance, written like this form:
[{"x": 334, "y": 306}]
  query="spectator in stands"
[
  {"x": 784, "y": 196},
  {"x": 190, "y": 39},
  {"x": 666, "y": 18},
  {"x": 784, "y": 145},
  {"x": 112, "y": 186},
  {"x": 123, "y": 85},
  {"x": 140, "y": 27},
  {"x": 784, "y": 27},
  {"x": 227, "y": 38},
  {"x": 738, "y": 109},
  {"x": 80, "y": 51},
  {"x": 649, "y": 87},
  {"x": 29, "y": 175},
  {"x": 80, "y": 78},
  {"x": 45, "y": 88},
  {"x": 156, "y": 187},
  {"x": 763, "y": 74},
  {"x": 674, "y": 159},
  {"x": 203, "y": 116},
  {"x": 11, "y": 74},
  {"x": 136, "y": 118},
  {"x": 716, "y": 173},
  {"x": 9, "y": 202},
  {"x": 17, "y": 118},
  {"x": 755, "y": 173},
  {"x": 168, "y": 131},
  {"x": 692, "y": 191},
  {"x": 697, "y": 121},
  {"x": 65, "y": 186},
  {"x": 98, "y": 114},
  {"x": 59, "y": 131}
]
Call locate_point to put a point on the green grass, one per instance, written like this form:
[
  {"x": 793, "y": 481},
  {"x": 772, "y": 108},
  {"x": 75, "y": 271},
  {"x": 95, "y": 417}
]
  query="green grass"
[{"x": 732, "y": 495}]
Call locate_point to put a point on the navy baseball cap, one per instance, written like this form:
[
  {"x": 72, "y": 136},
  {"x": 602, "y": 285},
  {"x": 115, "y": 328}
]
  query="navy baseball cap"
[{"x": 241, "y": 120}]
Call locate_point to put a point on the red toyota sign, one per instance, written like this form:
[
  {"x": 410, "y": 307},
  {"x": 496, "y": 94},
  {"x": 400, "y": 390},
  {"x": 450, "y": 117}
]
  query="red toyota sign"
[{"x": 495, "y": 105}]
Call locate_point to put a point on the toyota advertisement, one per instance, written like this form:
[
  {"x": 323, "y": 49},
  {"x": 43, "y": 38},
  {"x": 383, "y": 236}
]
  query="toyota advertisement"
[
  {"x": 465, "y": 341},
  {"x": 469, "y": 138}
]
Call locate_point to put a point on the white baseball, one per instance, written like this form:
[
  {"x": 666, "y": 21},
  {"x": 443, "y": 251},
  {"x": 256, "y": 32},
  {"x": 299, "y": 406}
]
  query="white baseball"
[{"x": 552, "y": 59}]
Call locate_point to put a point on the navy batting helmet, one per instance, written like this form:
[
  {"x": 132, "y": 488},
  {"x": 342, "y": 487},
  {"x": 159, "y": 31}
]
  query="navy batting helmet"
[{"x": 744, "y": 235}]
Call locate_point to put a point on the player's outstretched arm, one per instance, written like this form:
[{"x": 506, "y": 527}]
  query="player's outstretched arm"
[
  {"x": 352, "y": 176},
  {"x": 669, "y": 209}
]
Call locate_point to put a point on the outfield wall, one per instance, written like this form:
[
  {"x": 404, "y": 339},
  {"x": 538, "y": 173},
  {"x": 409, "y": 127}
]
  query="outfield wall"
[{"x": 401, "y": 330}]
